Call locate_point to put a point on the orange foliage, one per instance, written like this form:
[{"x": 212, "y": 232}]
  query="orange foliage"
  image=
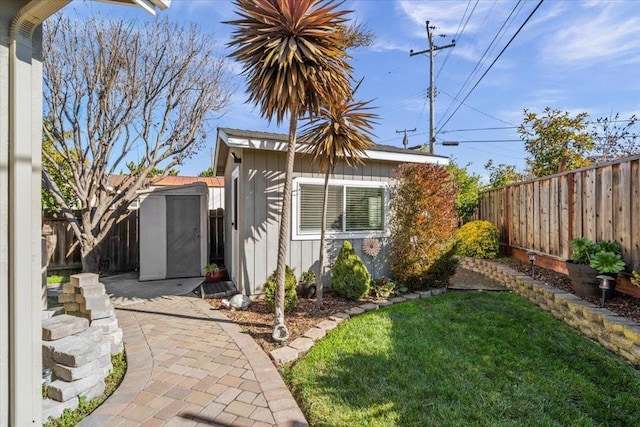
[{"x": 423, "y": 226}]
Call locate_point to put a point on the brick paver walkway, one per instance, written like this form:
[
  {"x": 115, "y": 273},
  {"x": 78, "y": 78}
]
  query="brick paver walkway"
[{"x": 191, "y": 366}]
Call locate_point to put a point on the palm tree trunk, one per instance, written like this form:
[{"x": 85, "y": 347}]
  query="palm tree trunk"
[
  {"x": 280, "y": 332},
  {"x": 323, "y": 232}
]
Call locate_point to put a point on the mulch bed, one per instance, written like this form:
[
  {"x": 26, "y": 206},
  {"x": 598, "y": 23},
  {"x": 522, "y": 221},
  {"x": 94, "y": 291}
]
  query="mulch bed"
[
  {"x": 621, "y": 304},
  {"x": 257, "y": 320}
]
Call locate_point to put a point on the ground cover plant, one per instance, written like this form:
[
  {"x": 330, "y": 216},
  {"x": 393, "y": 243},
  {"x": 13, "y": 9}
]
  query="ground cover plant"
[{"x": 472, "y": 358}]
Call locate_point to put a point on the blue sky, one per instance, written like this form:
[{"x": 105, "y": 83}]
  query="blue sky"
[{"x": 576, "y": 56}]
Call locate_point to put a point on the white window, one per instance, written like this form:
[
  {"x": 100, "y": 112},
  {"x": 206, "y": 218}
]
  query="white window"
[{"x": 354, "y": 209}]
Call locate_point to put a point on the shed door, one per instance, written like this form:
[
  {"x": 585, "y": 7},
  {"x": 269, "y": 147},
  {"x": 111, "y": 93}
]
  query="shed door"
[{"x": 183, "y": 236}]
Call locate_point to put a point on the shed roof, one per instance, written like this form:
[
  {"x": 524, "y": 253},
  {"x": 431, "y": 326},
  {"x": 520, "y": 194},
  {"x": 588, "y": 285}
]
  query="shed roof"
[
  {"x": 228, "y": 137},
  {"x": 183, "y": 180}
]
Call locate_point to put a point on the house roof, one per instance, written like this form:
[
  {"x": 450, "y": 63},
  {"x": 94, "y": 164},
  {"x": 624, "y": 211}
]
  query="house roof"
[{"x": 238, "y": 138}]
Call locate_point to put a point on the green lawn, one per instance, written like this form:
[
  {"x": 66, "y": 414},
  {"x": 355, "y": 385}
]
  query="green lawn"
[{"x": 463, "y": 359}]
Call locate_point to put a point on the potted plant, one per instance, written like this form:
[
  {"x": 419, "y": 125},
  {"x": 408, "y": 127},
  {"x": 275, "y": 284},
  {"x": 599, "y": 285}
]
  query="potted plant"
[
  {"x": 213, "y": 273},
  {"x": 307, "y": 284},
  {"x": 582, "y": 268}
]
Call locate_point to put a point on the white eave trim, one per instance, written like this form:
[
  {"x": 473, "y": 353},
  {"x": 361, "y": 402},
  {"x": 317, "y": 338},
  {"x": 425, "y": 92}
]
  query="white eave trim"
[{"x": 260, "y": 144}]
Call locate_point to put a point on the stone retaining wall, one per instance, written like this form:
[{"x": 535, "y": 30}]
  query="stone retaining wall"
[
  {"x": 616, "y": 333},
  {"x": 77, "y": 346}
]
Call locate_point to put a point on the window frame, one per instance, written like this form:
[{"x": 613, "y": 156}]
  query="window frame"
[{"x": 297, "y": 234}]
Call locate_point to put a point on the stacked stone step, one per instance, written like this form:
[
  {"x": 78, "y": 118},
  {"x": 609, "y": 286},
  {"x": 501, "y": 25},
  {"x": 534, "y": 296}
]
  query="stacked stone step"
[
  {"x": 85, "y": 297},
  {"x": 78, "y": 357}
]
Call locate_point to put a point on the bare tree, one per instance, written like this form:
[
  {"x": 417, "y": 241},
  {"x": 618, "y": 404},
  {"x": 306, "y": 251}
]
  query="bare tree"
[
  {"x": 116, "y": 92},
  {"x": 615, "y": 138}
]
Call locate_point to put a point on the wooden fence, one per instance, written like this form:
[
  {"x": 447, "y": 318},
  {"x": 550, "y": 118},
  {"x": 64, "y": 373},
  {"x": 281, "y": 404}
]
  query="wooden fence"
[
  {"x": 544, "y": 215},
  {"x": 121, "y": 248}
]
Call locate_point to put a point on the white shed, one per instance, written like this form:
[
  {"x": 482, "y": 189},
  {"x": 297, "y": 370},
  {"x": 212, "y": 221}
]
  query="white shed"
[{"x": 173, "y": 231}]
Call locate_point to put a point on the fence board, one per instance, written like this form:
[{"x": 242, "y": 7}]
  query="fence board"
[
  {"x": 605, "y": 210},
  {"x": 634, "y": 217},
  {"x": 590, "y": 203}
]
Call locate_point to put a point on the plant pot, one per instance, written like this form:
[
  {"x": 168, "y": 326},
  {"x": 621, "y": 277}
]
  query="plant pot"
[
  {"x": 306, "y": 289},
  {"x": 216, "y": 276},
  {"x": 584, "y": 282}
]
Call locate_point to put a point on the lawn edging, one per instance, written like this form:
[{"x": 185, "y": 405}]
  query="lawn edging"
[
  {"x": 297, "y": 348},
  {"x": 616, "y": 333}
]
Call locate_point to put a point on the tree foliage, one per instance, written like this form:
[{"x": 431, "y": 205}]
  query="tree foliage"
[
  {"x": 468, "y": 186},
  {"x": 503, "y": 174},
  {"x": 555, "y": 141},
  {"x": 423, "y": 225},
  {"x": 113, "y": 88},
  {"x": 60, "y": 176},
  {"x": 208, "y": 173},
  {"x": 615, "y": 138}
]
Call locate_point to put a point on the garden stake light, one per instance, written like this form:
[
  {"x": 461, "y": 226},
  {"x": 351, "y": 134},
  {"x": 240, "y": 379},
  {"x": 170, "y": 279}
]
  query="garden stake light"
[
  {"x": 532, "y": 260},
  {"x": 604, "y": 285}
]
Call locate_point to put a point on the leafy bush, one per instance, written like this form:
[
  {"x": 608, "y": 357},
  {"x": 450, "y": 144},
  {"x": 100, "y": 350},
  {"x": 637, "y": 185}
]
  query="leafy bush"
[
  {"x": 423, "y": 225},
  {"x": 607, "y": 262},
  {"x": 582, "y": 249},
  {"x": 382, "y": 288},
  {"x": 290, "y": 294},
  {"x": 442, "y": 269},
  {"x": 478, "y": 239},
  {"x": 349, "y": 276},
  {"x": 609, "y": 246}
]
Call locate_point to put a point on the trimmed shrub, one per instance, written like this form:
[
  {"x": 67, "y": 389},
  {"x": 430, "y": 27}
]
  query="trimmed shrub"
[
  {"x": 478, "y": 239},
  {"x": 349, "y": 276},
  {"x": 423, "y": 226},
  {"x": 290, "y": 294}
]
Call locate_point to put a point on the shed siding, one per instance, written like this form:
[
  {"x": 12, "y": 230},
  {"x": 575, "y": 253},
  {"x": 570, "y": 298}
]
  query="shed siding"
[{"x": 261, "y": 182}]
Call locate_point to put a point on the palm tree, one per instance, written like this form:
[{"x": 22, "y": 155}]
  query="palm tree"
[
  {"x": 342, "y": 131},
  {"x": 293, "y": 57}
]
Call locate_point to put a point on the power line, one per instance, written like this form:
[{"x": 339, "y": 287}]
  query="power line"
[
  {"x": 458, "y": 33},
  {"x": 494, "y": 61},
  {"x": 481, "y": 60},
  {"x": 475, "y": 129},
  {"x": 478, "y": 111}
]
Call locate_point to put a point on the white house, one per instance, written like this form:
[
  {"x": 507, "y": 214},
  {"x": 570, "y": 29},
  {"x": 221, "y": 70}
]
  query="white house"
[{"x": 252, "y": 164}]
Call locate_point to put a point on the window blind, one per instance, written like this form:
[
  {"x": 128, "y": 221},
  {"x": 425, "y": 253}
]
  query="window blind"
[
  {"x": 311, "y": 208},
  {"x": 364, "y": 208}
]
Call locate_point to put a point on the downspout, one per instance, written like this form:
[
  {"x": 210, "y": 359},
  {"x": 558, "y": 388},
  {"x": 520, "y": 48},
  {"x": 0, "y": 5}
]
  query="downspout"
[{"x": 24, "y": 406}]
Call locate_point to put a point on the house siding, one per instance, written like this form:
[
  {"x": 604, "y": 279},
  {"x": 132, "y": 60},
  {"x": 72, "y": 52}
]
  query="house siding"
[{"x": 261, "y": 183}]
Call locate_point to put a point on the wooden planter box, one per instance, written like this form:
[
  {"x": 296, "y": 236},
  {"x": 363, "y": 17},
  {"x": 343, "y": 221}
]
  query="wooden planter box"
[
  {"x": 625, "y": 286},
  {"x": 584, "y": 282}
]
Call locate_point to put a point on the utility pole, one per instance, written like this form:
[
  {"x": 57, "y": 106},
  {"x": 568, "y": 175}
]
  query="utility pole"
[
  {"x": 432, "y": 89},
  {"x": 405, "y": 140}
]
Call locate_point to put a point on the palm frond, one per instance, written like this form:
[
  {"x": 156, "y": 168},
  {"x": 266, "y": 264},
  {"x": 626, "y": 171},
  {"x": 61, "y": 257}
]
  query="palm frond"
[
  {"x": 343, "y": 130},
  {"x": 292, "y": 54}
]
